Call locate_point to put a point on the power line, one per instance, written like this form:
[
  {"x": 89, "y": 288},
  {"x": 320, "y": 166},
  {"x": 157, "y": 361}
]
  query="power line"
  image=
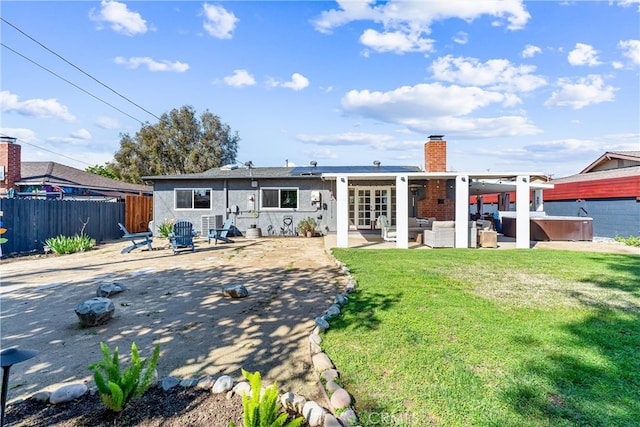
[
  {"x": 79, "y": 69},
  {"x": 71, "y": 83},
  {"x": 46, "y": 149}
]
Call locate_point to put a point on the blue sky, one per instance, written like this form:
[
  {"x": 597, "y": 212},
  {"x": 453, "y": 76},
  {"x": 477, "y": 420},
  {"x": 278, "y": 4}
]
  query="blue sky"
[{"x": 539, "y": 86}]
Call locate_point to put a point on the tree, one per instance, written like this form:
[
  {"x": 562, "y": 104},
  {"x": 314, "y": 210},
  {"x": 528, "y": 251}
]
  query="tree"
[
  {"x": 180, "y": 143},
  {"x": 102, "y": 170}
]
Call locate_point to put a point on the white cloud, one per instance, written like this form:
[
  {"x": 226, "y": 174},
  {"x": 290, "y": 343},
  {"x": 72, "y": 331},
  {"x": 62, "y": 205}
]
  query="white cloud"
[
  {"x": 219, "y": 22},
  {"x": 119, "y": 18},
  {"x": 404, "y": 23},
  {"x": 107, "y": 123},
  {"x": 39, "y": 108},
  {"x": 81, "y": 134},
  {"x": 425, "y": 107},
  {"x": 240, "y": 78},
  {"x": 26, "y": 135},
  {"x": 582, "y": 93},
  {"x": 627, "y": 3},
  {"x": 631, "y": 50},
  {"x": 151, "y": 64},
  {"x": 530, "y": 51},
  {"x": 461, "y": 38},
  {"x": 583, "y": 54},
  {"x": 297, "y": 82},
  {"x": 494, "y": 73},
  {"x": 396, "y": 41},
  {"x": 360, "y": 139}
]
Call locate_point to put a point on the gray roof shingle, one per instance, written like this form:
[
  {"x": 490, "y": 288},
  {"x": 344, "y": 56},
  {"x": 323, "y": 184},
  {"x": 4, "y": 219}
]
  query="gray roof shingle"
[{"x": 53, "y": 173}]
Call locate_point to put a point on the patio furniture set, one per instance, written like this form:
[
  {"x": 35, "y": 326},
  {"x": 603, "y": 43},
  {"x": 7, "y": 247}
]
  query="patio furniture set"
[
  {"x": 441, "y": 234},
  {"x": 180, "y": 238}
]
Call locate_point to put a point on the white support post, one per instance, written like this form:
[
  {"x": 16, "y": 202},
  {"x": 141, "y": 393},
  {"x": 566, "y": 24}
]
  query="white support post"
[
  {"x": 523, "y": 227},
  {"x": 462, "y": 212},
  {"x": 402, "y": 212},
  {"x": 342, "y": 212}
]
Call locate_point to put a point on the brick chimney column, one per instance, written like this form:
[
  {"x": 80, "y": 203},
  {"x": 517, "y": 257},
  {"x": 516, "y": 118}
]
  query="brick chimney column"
[
  {"x": 435, "y": 154},
  {"x": 10, "y": 159},
  {"x": 436, "y": 204}
]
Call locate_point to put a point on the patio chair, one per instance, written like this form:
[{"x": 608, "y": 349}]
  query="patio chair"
[
  {"x": 137, "y": 239},
  {"x": 221, "y": 233},
  {"x": 389, "y": 234},
  {"x": 182, "y": 236}
]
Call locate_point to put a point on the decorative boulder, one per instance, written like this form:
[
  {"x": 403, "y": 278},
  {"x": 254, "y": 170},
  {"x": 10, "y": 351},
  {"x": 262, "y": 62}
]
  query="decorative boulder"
[
  {"x": 235, "y": 291},
  {"x": 95, "y": 311},
  {"x": 107, "y": 289}
]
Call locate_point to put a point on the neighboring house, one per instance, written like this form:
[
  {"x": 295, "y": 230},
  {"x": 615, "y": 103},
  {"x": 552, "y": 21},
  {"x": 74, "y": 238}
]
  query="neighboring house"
[
  {"x": 54, "y": 180},
  {"x": 608, "y": 190},
  {"x": 339, "y": 198}
]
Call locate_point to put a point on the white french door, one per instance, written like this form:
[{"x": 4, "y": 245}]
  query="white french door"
[{"x": 366, "y": 204}]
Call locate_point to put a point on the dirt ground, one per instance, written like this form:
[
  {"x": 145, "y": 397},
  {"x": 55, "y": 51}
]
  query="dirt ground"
[{"x": 175, "y": 301}]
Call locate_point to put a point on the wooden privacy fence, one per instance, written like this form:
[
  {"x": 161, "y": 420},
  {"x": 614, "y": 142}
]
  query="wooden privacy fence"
[
  {"x": 29, "y": 222},
  {"x": 138, "y": 213}
]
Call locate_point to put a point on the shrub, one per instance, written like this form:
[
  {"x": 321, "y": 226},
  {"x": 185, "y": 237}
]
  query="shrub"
[
  {"x": 117, "y": 389},
  {"x": 166, "y": 227},
  {"x": 306, "y": 225},
  {"x": 262, "y": 409},
  {"x": 629, "y": 241},
  {"x": 69, "y": 245}
]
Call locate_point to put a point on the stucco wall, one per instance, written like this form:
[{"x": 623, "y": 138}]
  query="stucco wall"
[
  {"x": 611, "y": 217},
  {"x": 226, "y": 195}
]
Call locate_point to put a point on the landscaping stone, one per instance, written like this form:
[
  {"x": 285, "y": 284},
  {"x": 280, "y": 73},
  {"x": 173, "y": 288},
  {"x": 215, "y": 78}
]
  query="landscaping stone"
[
  {"x": 333, "y": 310},
  {"x": 315, "y": 348},
  {"x": 315, "y": 338},
  {"x": 331, "y": 421},
  {"x": 205, "y": 383},
  {"x": 340, "y": 399},
  {"x": 332, "y": 386},
  {"x": 168, "y": 383},
  {"x": 321, "y": 362},
  {"x": 329, "y": 375},
  {"x": 107, "y": 289},
  {"x": 188, "y": 382},
  {"x": 68, "y": 393},
  {"x": 242, "y": 387},
  {"x": 341, "y": 299},
  {"x": 42, "y": 396},
  {"x": 222, "y": 384},
  {"x": 235, "y": 291},
  {"x": 154, "y": 376},
  {"x": 313, "y": 413},
  {"x": 95, "y": 311},
  {"x": 322, "y": 323},
  {"x": 349, "y": 418},
  {"x": 293, "y": 402}
]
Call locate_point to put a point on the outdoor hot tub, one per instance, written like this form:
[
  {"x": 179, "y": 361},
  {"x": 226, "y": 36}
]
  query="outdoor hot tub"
[{"x": 548, "y": 228}]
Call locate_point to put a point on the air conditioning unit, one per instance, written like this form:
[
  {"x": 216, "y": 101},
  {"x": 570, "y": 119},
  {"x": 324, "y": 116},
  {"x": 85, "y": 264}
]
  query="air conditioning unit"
[{"x": 211, "y": 221}]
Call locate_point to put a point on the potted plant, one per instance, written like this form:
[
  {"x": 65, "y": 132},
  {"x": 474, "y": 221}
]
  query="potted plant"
[{"x": 307, "y": 227}]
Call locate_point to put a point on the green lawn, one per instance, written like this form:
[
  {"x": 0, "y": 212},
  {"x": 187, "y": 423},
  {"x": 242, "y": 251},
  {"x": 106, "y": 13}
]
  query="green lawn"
[{"x": 490, "y": 338}]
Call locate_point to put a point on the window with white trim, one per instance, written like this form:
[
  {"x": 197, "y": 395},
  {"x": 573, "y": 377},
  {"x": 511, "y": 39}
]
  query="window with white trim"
[
  {"x": 193, "y": 198},
  {"x": 279, "y": 198}
]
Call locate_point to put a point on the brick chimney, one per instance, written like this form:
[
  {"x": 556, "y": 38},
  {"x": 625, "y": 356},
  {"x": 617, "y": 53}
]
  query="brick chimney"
[
  {"x": 10, "y": 162},
  {"x": 436, "y": 203},
  {"x": 435, "y": 154}
]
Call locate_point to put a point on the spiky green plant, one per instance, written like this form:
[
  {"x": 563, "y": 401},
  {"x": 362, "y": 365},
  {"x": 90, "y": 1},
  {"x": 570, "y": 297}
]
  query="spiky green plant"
[
  {"x": 262, "y": 409},
  {"x": 68, "y": 245},
  {"x": 166, "y": 227},
  {"x": 117, "y": 389}
]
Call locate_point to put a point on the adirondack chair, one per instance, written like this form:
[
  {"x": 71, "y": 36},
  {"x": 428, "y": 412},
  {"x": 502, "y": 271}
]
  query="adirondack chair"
[
  {"x": 221, "y": 233},
  {"x": 137, "y": 239},
  {"x": 182, "y": 236}
]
